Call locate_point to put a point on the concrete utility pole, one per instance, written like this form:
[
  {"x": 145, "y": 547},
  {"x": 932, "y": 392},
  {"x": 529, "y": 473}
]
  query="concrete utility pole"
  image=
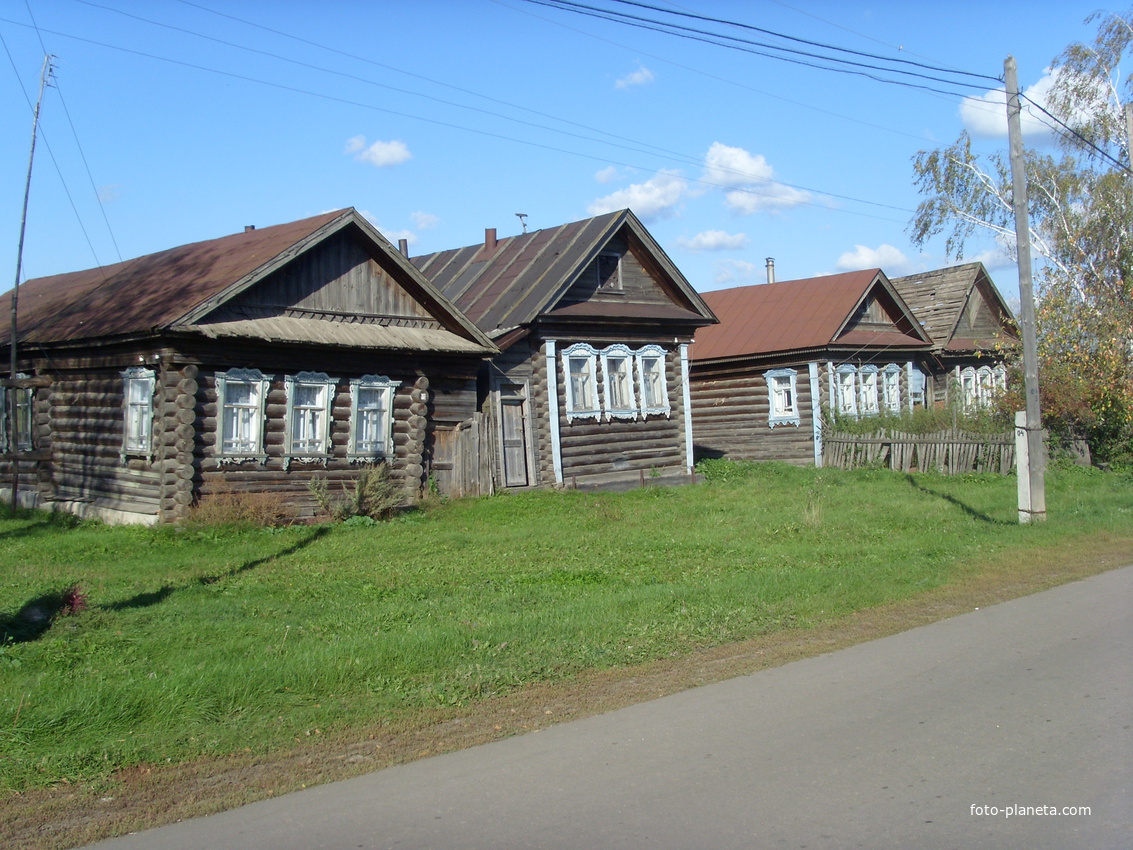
[{"x": 1030, "y": 454}]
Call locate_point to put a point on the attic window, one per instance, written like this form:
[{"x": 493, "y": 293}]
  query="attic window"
[{"x": 609, "y": 268}]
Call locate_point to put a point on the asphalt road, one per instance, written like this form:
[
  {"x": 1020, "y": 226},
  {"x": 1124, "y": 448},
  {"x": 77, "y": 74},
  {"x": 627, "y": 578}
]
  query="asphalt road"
[{"x": 892, "y": 743}]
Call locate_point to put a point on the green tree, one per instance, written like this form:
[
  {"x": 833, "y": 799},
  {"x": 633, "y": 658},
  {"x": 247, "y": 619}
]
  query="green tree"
[{"x": 1081, "y": 212}]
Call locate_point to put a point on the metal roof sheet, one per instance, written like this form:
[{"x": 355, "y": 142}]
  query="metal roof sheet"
[
  {"x": 793, "y": 315},
  {"x": 289, "y": 329}
]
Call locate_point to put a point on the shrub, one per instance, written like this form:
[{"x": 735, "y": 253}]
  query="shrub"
[
  {"x": 373, "y": 494},
  {"x": 225, "y": 506}
]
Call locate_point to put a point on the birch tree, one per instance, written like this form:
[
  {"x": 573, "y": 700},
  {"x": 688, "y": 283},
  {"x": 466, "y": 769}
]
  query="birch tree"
[{"x": 1081, "y": 213}]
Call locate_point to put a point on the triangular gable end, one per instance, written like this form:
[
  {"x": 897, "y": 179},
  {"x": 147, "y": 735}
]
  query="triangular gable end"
[
  {"x": 338, "y": 278},
  {"x": 881, "y": 311},
  {"x": 628, "y": 267}
]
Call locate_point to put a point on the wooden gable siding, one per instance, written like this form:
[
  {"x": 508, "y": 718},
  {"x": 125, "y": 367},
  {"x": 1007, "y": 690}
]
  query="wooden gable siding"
[
  {"x": 730, "y": 410},
  {"x": 637, "y": 285},
  {"x": 978, "y": 321},
  {"x": 337, "y": 277}
]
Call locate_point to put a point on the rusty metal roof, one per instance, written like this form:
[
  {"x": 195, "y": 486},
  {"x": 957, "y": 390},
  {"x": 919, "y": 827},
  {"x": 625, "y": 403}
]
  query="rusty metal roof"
[
  {"x": 522, "y": 277},
  {"x": 939, "y": 297},
  {"x": 796, "y": 315},
  {"x": 179, "y": 286}
]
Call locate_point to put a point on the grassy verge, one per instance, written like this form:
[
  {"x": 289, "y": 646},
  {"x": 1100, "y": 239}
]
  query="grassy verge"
[{"x": 219, "y": 652}]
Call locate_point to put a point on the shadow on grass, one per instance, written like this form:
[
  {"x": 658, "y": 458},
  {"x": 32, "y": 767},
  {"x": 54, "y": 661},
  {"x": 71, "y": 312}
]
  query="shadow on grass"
[
  {"x": 36, "y": 616},
  {"x": 968, "y": 509}
]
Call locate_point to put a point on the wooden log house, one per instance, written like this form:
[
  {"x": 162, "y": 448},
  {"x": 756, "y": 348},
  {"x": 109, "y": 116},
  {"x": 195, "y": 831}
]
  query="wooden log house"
[
  {"x": 972, "y": 328},
  {"x": 593, "y": 322},
  {"x": 249, "y": 363},
  {"x": 785, "y": 352}
]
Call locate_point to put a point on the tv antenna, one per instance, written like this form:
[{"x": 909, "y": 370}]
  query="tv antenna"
[{"x": 522, "y": 220}]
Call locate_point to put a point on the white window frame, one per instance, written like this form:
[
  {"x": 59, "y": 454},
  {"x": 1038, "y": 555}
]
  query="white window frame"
[
  {"x": 252, "y": 448},
  {"x": 846, "y": 389},
  {"x": 918, "y": 384},
  {"x": 615, "y": 380},
  {"x": 870, "y": 404},
  {"x": 660, "y": 405},
  {"x": 314, "y": 446},
  {"x": 365, "y": 448},
  {"x": 969, "y": 385},
  {"x": 891, "y": 388},
  {"x": 137, "y": 412},
  {"x": 23, "y": 400},
  {"x": 782, "y": 397},
  {"x": 587, "y": 357}
]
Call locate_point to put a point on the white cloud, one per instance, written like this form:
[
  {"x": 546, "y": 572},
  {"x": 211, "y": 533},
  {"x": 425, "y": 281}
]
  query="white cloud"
[
  {"x": 750, "y": 181},
  {"x": 641, "y": 77},
  {"x": 735, "y": 271},
  {"x": 891, "y": 260},
  {"x": 985, "y": 115},
  {"x": 395, "y": 235},
  {"x": 713, "y": 240},
  {"x": 109, "y": 192},
  {"x": 379, "y": 154},
  {"x": 424, "y": 220},
  {"x": 607, "y": 174},
  {"x": 657, "y": 197}
]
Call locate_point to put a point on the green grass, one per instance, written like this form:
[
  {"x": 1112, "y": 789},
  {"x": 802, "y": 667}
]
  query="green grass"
[{"x": 207, "y": 642}]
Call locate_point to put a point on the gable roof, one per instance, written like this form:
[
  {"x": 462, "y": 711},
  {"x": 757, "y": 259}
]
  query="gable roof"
[
  {"x": 177, "y": 288},
  {"x": 939, "y": 299},
  {"x": 519, "y": 278},
  {"x": 798, "y": 315}
]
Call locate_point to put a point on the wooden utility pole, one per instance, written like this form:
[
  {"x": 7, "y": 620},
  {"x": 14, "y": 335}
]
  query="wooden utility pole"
[
  {"x": 11, "y": 395},
  {"x": 1030, "y": 463}
]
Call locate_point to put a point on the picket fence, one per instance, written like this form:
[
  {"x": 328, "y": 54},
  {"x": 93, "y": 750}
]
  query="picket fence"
[{"x": 952, "y": 452}]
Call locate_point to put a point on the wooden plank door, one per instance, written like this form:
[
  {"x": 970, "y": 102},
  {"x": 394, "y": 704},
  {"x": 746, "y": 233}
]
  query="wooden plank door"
[{"x": 513, "y": 426}]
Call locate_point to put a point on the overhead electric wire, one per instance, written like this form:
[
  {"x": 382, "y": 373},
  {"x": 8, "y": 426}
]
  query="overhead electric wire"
[
  {"x": 798, "y": 40},
  {"x": 78, "y": 144},
  {"x": 1070, "y": 131},
  {"x": 708, "y": 37},
  {"x": 50, "y": 152},
  {"x": 742, "y": 188}
]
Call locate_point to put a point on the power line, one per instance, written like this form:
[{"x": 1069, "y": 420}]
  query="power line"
[
  {"x": 746, "y": 189},
  {"x": 854, "y": 68}
]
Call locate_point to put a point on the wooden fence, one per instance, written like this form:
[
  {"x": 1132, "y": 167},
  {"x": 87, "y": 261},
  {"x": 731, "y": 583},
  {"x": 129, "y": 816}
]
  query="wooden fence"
[{"x": 952, "y": 452}]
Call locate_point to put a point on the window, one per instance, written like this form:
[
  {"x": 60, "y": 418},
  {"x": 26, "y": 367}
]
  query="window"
[
  {"x": 617, "y": 382},
  {"x": 240, "y": 397},
  {"x": 23, "y": 399},
  {"x": 869, "y": 390},
  {"x": 969, "y": 388},
  {"x": 137, "y": 411},
  {"x": 609, "y": 268},
  {"x": 651, "y": 380},
  {"x": 371, "y": 417},
  {"x": 847, "y": 397},
  {"x": 310, "y": 397},
  {"x": 579, "y": 364},
  {"x": 782, "y": 399},
  {"x": 916, "y": 386},
  {"x": 891, "y": 388}
]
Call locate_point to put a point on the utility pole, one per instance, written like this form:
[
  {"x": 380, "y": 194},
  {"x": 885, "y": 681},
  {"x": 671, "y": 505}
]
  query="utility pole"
[
  {"x": 11, "y": 395},
  {"x": 1030, "y": 455}
]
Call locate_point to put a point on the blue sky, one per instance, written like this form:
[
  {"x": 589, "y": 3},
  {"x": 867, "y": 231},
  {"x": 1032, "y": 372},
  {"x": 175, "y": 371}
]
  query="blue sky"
[{"x": 175, "y": 121}]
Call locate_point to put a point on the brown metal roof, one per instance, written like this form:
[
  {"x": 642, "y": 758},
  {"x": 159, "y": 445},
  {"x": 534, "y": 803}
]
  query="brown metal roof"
[
  {"x": 525, "y": 276},
  {"x": 797, "y": 315},
  {"x": 176, "y": 288}
]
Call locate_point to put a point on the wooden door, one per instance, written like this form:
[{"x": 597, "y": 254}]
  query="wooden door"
[{"x": 513, "y": 434}]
